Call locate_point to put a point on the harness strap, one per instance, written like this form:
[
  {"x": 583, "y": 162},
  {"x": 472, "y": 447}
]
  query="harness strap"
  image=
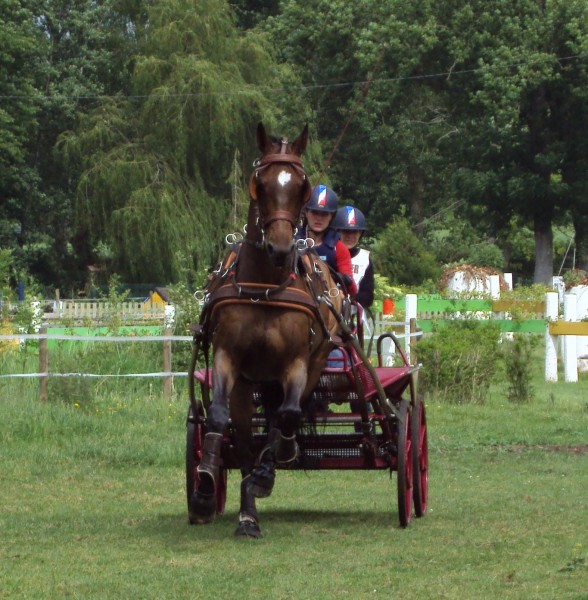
[
  {"x": 265, "y": 295},
  {"x": 265, "y": 303}
]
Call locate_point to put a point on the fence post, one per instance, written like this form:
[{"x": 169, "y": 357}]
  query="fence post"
[
  {"x": 410, "y": 314},
  {"x": 551, "y": 314},
  {"x": 43, "y": 367},
  {"x": 570, "y": 351},
  {"x": 167, "y": 380}
]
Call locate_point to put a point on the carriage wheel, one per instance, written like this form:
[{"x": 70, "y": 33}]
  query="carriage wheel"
[
  {"x": 404, "y": 465},
  {"x": 420, "y": 458},
  {"x": 194, "y": 442}
]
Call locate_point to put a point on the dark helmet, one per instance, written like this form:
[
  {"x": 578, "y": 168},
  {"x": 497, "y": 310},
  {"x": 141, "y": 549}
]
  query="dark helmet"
[
  {"x": 349, "y": 218},
  {"x": 322, "y": 199}
]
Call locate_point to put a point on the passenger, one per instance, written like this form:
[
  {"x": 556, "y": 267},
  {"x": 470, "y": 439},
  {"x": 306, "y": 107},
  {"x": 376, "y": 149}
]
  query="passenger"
[
  {"x": 351, "y": 224},
  {"x": 319, "y": 213}
]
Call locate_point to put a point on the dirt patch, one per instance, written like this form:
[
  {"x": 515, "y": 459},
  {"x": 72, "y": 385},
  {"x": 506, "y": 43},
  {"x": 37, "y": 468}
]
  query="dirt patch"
[{"x": 580, "y": 449}]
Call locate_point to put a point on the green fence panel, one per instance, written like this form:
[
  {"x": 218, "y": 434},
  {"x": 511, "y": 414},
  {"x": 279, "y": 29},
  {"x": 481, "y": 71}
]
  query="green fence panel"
[
  {"x": 124, "y": 330},
  {"x": 437, "y": 304},
  {"x": 506, "y": 325}
]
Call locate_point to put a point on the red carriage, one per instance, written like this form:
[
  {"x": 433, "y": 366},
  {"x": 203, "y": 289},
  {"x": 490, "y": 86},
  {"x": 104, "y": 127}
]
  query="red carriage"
[{"x": 388, "y": 432}]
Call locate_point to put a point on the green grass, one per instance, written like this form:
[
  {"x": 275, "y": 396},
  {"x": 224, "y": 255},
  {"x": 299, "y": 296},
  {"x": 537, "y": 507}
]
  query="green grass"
[{"x": 92, "y": 505}]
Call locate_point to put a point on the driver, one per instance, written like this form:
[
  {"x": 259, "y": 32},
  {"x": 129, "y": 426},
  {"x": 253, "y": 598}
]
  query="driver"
[{"x": 319, "y": 212}]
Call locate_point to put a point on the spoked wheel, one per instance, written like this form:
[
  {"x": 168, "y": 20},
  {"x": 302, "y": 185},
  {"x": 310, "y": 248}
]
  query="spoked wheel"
[
  {"x": 404, "y": 465},
  {"x": 420, "y": 458},
  {"x": 194, "y": 442}
]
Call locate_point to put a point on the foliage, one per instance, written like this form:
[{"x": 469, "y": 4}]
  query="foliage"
[
  {"x": 575, "y": 277},
  {"x": 401, "y": 257},
  {"x": 5, "y": 264},
  {"x": 460, "y": 361},
  {"x": 63, "y": 55},
  {"x": 486, "y": 255},
  {"x": 384, "y": 289},
  {"x": 120, "y": 123},
  {"x": 517, "y": 354},
  {"x": 154, "y": 169},
  {"x": 102, "y": 358}
]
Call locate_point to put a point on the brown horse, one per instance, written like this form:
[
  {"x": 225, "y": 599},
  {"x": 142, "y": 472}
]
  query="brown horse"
[{"x": 270, "y": 327}]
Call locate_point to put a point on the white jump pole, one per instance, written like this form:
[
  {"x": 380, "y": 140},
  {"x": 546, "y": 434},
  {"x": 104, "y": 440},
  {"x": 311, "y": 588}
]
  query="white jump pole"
[
  {"x": 509, "y": 335},
  {"x": 411, "y": 313},
  {"x": 495, "y": 287},
  {"x": 551, "y": 312},
  {"x": 570, "y": 350}
]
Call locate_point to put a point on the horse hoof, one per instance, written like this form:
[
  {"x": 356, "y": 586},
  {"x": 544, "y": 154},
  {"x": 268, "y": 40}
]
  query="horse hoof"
[
  {"x": 248, "y": 529},
  {"x": 202, "y": 508},
  {"x": 259, "y": 491},
  {"x": 261, "y": 482}
]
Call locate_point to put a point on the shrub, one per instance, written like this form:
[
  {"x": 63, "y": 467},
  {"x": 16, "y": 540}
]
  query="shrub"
[
  {"x": 401, "y": 257},
  {"x": 486, "y": 255},
  {"x": 517, "y": 354},
  {"x": 460, "y": 361}
]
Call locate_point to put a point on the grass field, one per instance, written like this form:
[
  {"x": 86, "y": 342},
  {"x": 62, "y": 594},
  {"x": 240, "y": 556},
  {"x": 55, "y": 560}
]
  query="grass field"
[{"x": 92, "y": 506}]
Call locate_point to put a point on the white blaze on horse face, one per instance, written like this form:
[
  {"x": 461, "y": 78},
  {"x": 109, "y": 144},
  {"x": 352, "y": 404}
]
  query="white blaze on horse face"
[{"x": 284, "y": 177}]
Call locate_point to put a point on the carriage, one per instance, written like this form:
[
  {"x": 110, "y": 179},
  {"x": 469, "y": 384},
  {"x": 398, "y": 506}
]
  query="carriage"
[
  {"x": 388, "y": 431},
  {"x": 288, "y": 362}
]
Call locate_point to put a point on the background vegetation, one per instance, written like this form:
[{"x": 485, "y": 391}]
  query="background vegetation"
[{"x": 127, "y": 129}]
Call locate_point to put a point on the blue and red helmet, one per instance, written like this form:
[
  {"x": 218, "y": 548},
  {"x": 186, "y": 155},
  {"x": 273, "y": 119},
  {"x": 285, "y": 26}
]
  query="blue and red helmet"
[
  {"x": 349, "y": 218},
  {"x": 322, "y": 199}
]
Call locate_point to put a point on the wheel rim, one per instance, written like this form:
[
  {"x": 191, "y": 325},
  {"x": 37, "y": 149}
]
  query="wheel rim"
[
  {"x": 420, "y": 459},
  {"x": 404, "y": 465}
]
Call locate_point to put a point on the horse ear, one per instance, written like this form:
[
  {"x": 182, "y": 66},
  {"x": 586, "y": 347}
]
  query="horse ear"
[
  {"x": 253, "y": 187},
  {"x": 263, "y": 140},
  {"x": 299, "y": 144}
]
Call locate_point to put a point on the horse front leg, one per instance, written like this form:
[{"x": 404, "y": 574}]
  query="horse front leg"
[
  {"x": 203, "y": 501},
  {"x": 241, "y": 413},
  {"x": 290, "y": 412},
  {"x": 281, "y": 447}
]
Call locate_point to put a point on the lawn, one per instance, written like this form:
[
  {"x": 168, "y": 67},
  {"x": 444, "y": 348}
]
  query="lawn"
[{"x": 92, "y": 505}]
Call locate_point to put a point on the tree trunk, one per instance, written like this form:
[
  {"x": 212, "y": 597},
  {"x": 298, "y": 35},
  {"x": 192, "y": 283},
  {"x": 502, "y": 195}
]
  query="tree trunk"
[
  {"x": 543, "y": 249},
  {"x": 416, "y": 182},
  {"x": 580, "y": 220}
]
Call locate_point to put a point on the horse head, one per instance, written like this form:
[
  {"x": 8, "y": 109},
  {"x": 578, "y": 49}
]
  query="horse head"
[{"x": 279, "y": 189}]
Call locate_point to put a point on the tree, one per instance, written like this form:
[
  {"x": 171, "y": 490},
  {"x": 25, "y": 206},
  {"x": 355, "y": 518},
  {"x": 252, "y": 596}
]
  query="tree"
[
  {"x": 20, "y": 51},
  {"x": 154, "y": 166},
  {"x": 515, "y": 148},
  {"x": 62, "y": 56},
  {"x": 465, "y": 107}
]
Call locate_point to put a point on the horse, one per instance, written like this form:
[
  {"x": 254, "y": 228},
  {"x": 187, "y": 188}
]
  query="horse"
[{"x": 270, "y": 322}]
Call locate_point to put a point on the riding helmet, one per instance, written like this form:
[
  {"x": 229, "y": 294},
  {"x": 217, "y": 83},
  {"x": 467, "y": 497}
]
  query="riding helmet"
[
  {"x": 322, "y": 199},
  {"x": 349, "y": 218}
]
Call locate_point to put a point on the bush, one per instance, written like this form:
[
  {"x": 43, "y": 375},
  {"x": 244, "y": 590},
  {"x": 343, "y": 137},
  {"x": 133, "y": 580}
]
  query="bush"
[
  {"x": 460, "y": 361},
  {"x": 486, "y": 255},
  {"x": 401, "y": 257},
  {"x": 517, "y": 354}
]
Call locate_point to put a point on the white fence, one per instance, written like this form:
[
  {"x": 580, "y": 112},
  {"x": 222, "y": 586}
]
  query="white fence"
[
  {"x": 44, "y": 373},
  {"x": 101, "y": 310}
]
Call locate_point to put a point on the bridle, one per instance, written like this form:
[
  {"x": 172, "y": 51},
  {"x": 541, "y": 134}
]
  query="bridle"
[{"x": 281, "y": 157}]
